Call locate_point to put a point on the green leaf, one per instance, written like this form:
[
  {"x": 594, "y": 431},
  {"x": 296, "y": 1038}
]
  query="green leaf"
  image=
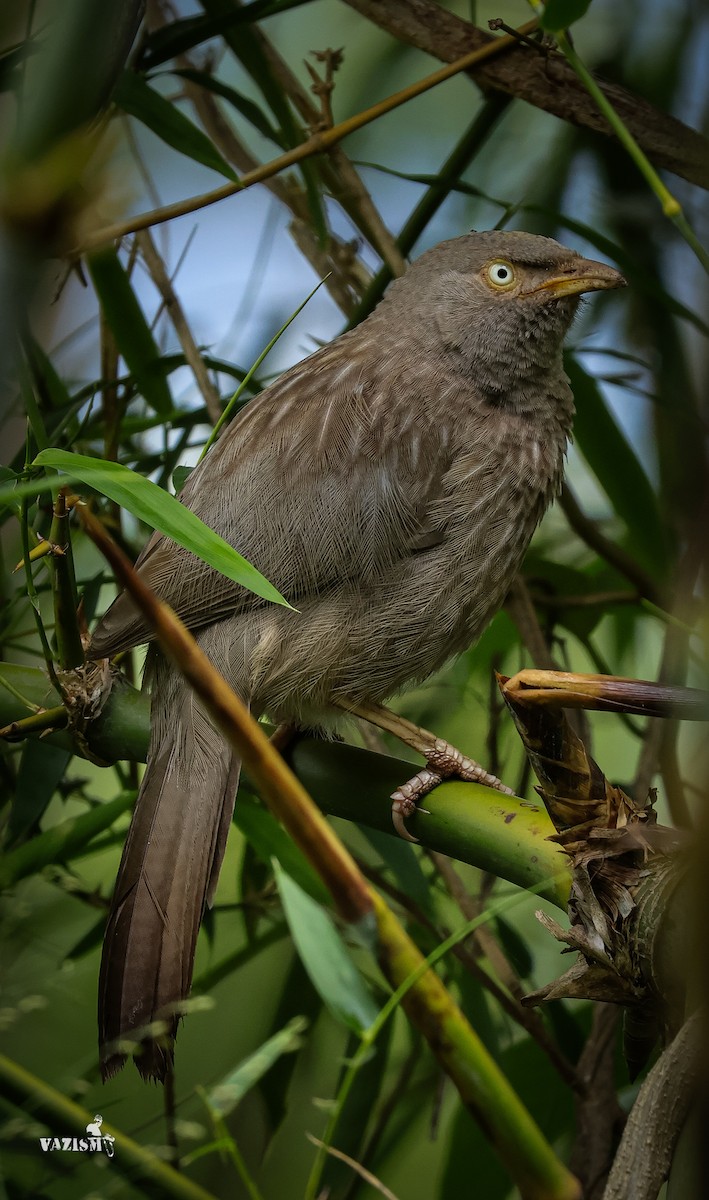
[
  {"x": 42, "y": 766},
  {"x": 179, "y": 478},
  {"x": 224, "y": 1098},
  {"x": 62, "y": 842},
  {"x": 270, "y": 840},
  {"x": 296, "y": 996},
  {"x": 9, "y": 497},
  {"x": 325, "y": 956},
  {"x": 162, "y": 511},
  {"x": 170, "y": 40},
  {"x": 617, "y": 469},
  {"x": 559, "y": 14},
  {"x": 130, "y": 328},
  {"x": 242, "y": 104},
  {"x": 134, "y": 95},
  {"x": 247, "y": 47},
  {"x": 367, "y": 1092},
  {"x": 51, "y": 388}
]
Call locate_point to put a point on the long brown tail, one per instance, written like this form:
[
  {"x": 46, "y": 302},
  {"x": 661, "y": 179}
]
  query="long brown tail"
[{"x": 168, "y": 873}]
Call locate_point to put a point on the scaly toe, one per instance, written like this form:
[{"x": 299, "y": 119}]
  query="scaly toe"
[{"x": 405, "y": 797}]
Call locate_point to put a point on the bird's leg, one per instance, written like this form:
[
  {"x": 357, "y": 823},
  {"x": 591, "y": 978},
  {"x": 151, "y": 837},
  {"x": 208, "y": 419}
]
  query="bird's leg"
[{"x": 443, "y": 761}]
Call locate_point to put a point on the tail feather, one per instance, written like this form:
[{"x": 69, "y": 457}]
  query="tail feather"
[{"x": 168, "y": 873}]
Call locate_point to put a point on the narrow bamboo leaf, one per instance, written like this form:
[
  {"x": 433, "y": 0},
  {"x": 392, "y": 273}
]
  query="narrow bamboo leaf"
[
  {"x": 404, "y": 866},
  {"x": 89, "y": 942},
  {"x": 61, "y": 842},
  {"x": 12, "y": 63},
  {"x": 9, "y": 481},
  {"x": 515, "y": 948},
  {"x": 224, "y": 1098},
  {"x": 169, "y": 363},
  {"x": 617, "y": 468},
  {"x": 313, "y": 191},
  {"x": 325, "y": 957},
  {"x": 179, "y": 478},
  {"x": 365, "y": 1095},
  {"x": 250, "y": 52},
  {"x": 135, "y": 96},
  {"x": 53, "y": 391},
  {"x": 559, "y": 14},
  {"x": 242, "y": 104},
  {"x": 179, "y": 36},
  {"x": 270, "y": 841},
  {"x": 161, "y": 511},
  {"x": 296, "y": 997},
  {"x": 41, "y": 767},
  {"x": 130, "y": 328}
]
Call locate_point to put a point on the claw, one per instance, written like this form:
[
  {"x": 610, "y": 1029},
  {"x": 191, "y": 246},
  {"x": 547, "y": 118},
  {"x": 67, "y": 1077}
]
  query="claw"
[
  {"x": 443, "y": 761},
  {"x": 398, "y": 817},
  {"x": 404, "y": 800}
]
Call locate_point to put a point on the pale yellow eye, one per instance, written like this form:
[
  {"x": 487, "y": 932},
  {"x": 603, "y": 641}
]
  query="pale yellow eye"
[{"x": 501, "y": 274}]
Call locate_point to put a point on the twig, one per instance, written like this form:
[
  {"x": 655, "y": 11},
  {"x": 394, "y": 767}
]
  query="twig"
[
  {"x": 585, "y": 600},
  {"x": 46, "y": 718},
  {"x": 521, "y": 609},
  {"x": 355, "y": 1166},
  {"x": 437, "y": 31},
  {"x": 446, "y": 179},
  {"x": 337, "y": 171},
  {"x": 660, "y": 745},
  {"x": 527, "y": 1155},
  {"x": 286, "y": 190}
]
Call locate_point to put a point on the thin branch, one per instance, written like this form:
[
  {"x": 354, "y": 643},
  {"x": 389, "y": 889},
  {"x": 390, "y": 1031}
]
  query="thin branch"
[
  {"x": 590, "y": 533},
  {"x": 510, "y": 999},
  {"x": 161, "y": 279}
]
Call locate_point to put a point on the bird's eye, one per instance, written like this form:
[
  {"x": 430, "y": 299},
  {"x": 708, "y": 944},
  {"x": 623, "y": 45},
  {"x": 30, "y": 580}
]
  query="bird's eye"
[{"x": 501, "y": 274}]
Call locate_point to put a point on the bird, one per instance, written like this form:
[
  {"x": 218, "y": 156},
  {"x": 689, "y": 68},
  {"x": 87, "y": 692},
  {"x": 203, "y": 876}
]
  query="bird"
[{"x": 388, "y": 486}]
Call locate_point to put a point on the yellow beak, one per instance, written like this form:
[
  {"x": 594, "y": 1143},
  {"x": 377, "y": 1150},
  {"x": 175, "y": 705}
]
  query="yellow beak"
[{"x": 584, "y": 275}]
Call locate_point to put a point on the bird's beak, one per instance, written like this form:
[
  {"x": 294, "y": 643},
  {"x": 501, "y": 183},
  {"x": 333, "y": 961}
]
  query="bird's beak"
[{"x": 583, "y": 275}]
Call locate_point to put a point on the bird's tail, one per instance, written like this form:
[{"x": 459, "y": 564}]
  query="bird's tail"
[{"x": 168, "y": 873}]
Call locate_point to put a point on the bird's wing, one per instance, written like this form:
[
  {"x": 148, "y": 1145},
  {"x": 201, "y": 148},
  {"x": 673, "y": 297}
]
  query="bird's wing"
[{"x": 326, "y": 476}]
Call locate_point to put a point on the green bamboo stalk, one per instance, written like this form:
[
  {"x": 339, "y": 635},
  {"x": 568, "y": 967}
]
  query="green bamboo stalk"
[
  {"x": 501, "y": 834},
  {"x": 66, "y": 626},
  {"x": 135, "y": 1163},
  {"x": 61, "y": 842}
]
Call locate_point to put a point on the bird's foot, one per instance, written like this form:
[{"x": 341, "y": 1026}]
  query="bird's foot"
[{"x": 443, "y": 761}]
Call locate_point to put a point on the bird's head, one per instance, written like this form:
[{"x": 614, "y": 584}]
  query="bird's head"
[{"x": 501, "y": 302}]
